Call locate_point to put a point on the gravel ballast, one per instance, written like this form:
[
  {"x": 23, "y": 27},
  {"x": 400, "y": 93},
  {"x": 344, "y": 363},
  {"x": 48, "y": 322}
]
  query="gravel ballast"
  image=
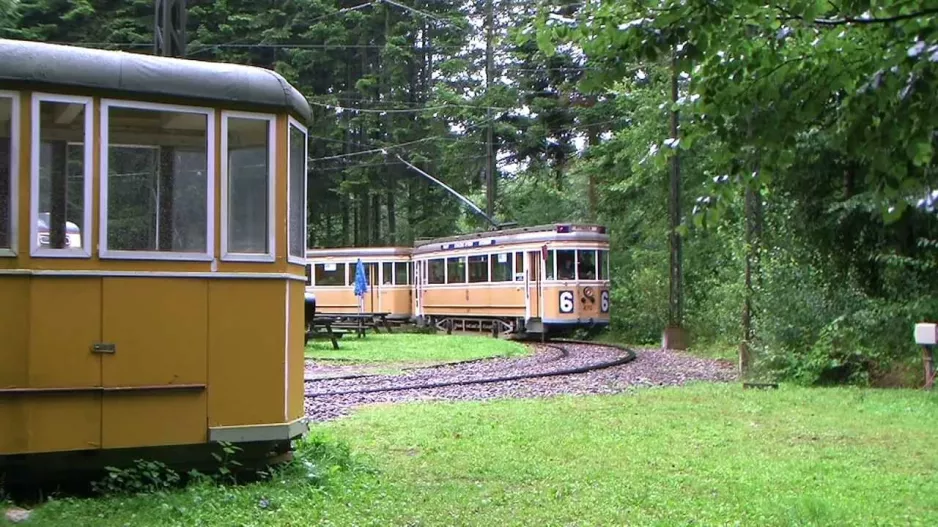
[{"x": 650, "y": 368}]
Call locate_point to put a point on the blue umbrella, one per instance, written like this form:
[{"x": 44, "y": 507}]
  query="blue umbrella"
[{"x": 361, "y": 282}]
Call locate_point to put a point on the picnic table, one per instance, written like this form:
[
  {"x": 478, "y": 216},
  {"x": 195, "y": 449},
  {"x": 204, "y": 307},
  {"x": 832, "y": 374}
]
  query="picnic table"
[
  {"x": 325, "y": 322},
  {"x": 358, "y": 321}
]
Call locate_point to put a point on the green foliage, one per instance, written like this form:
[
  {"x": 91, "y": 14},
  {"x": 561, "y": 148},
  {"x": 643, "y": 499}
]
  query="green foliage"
[{"x": 141, "y": 478}]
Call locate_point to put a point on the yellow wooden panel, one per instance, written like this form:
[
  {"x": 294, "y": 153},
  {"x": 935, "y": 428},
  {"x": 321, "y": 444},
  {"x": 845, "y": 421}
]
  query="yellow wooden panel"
[
  {"x": 12, "y": 426},
  {"x": 14, "y": 331},
  {"x": 297, "y": 347},
  {"x": 159, "y": 326},
  {"x": 63, "y": 422},
  {"x": 154, "y": 419},
  {"x": 64, "y": 322},
  {"x": 246, "y": 352}
]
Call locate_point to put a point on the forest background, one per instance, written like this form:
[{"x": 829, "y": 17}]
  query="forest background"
[{"x": 805, "y": 146}]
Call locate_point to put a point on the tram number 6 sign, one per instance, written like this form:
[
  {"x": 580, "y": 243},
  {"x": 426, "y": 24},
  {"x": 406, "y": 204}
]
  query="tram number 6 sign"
[
  {"x": 566, "y": 302},
  {"x": 604, "y": 302}
]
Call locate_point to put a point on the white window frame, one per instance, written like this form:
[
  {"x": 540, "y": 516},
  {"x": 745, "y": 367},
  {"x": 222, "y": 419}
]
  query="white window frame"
[
  {"x": 14, "y": 210},
  {"x": 35, "y": 250},
  {"x": 208, "y": 255},
  {"x": 298, "y": 259},
  {"x": 271, "y": 254}
]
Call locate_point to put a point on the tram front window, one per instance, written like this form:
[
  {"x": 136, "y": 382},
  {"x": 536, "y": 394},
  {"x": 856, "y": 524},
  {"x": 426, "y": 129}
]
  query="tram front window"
[
  {"x": 566, "y": 265},
  {"x": 586, "y": 265}
]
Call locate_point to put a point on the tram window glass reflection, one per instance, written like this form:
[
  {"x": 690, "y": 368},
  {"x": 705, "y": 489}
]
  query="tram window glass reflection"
[
  {"x": 437, "y": 271},
  {"x": 603, "y": 265},
  {"x": 6, "y": 170},
  {"x": 249, "y": 178},
  {"x": 401, "y": 273},
  {"x": 586, "y": 264},
  {"x": 157, "y": 188},
  {"x": 566, "y": 265},
  {"x": 61, "y": 214},
  {"x": 479, "y": 268},
  {"x": 387, "y": 273},
  {"x": 330, "y": 274},
  {"x": 550, "y": 264},
  {"x": 519, "y": 263},
  {"x": 456, "y": 270},
  {"x": 501, "y": 267}
]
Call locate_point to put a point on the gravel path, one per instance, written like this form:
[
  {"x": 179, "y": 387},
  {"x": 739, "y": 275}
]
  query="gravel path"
[{"x": 650, "y": 368}]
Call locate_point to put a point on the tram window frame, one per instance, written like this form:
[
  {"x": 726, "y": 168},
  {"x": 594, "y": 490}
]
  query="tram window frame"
[
  {"x": 405, "y": 266},
  {"x": 482, "y": 261},
  {"x": 602, "y": 264},
  {"x": 387, "y": 273},
  {"x": 321, "y": 265},
  {"x": 561, "y": 272},
  {"x": 578, "y": 268},
  {"x": 508, "y": 266},
  {"x": 207, "y": 254},
  {"x": 87, "y": 149},
  {"x": 269, "y": 255},
  {"x": 11, "y": 209},
  {"x": 297, "y": 235},
  {"x": 460, "y": 262},
  {"x": 434, "y": 266},
  {"x": 550, "y": 266}
]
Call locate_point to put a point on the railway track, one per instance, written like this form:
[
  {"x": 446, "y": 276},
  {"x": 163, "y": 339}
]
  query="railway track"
[{"x": 556, "y": 358}]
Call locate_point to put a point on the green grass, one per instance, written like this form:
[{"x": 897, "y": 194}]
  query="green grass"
[
  {"x": 412, "y": 348},
  {"x": 699, "y": 455}
]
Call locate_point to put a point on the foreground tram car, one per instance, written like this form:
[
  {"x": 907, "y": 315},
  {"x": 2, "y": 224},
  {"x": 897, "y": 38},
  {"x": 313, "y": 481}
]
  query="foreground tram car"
[
  {"x": 152, "y": 236},
  {"x": 525, "y": 280}
]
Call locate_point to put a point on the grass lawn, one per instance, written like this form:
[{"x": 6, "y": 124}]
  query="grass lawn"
[
  {"x": 413, "y": 348},
  {"x": 699, "y": 455}
]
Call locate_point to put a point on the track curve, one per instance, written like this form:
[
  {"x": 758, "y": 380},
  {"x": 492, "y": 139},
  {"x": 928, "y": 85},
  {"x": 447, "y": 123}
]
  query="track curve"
[
  {"x": 559, "y": 367},
  {"x": 562, "y": 350}
]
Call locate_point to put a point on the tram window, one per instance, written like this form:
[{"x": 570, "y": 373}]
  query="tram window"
[
  {"x": 63, "y": 214},
  {"x": 550, "y": 264},
  {"x": 387, "y": 273},
  {"x": 566, "y": 265},
  {"x": 456, "y": 270},
  {"x": 519, "y": 262},
  {"x": 330, "y": 274},
  {"x": 401, "y": 273},
  {"x": 296, "y": 190},
  {"x": 603, "y": 265},
  {"x": 7, "y": 157},
  {"x": 479, "y": 268},
  {"x": 157, "y": 180},
  {"x": 248, "y": 181},
  {"x": 309, "y": 274},
  {"x": 436, "y": 271},
  {"x": 586, "y": 265},
  {"x": 501, "y": 267}
]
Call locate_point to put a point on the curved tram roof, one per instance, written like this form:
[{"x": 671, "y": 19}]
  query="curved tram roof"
[
  {"x": 133, "y": 73},
  {"x": 539, "y": 233}
]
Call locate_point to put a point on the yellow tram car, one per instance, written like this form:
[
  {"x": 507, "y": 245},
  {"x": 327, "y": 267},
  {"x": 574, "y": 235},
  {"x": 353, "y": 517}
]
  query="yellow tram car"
[
  {"x": 152, "y": 252},
  {"x": 389, "y": 272},
  {"x": 523, "y": 280}
]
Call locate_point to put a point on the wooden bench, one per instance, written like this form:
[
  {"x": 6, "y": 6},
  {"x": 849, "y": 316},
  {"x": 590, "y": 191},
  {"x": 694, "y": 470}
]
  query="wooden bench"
[{"x": 324, "y": 322}]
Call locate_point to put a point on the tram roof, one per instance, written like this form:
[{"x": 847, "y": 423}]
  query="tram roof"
[
  {"x": 134, "y": 73},
  {"x": 572, "y": 230},
  {"x": 357, "y": 252}
]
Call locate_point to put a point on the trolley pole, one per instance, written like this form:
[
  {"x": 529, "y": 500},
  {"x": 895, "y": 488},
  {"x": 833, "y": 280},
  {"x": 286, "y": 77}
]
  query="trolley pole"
[{"x": 169, "y": 28}]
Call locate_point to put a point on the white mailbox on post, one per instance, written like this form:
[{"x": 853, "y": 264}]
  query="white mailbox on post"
[{"x": 926, "y": 334}]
